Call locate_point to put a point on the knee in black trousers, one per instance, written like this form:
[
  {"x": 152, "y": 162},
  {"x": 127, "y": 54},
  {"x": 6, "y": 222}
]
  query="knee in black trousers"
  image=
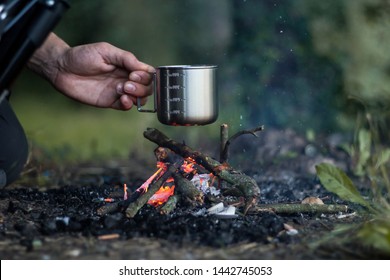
[{"x": 13, "y": 144}]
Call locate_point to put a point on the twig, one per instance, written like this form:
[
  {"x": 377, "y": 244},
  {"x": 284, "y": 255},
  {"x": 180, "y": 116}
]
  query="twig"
[
  {"x": 134, "y": 207},
  {"x": 187, "y": 190},
  {"x": 170, "y": 205},
  {"x": 109, "y": 236},
  {"x": 245, "y": 184},
  {"x": 299, "y": 208},
  {"x": 224, "y": 139},
  {"x": 118, "y": 206},
  {"x": 225, "y": 151}
]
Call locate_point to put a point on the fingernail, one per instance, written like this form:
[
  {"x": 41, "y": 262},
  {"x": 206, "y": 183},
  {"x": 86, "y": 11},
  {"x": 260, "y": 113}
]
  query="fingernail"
[
  {"x": 151, "y": 70},
  {"x": 135, "y": 77},
  {"x": 119, "y": 88},
  {"x": 129, "y": 87}
]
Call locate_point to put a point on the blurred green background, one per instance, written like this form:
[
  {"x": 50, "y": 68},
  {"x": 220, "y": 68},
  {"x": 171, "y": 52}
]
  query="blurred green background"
[{"x": 285, "y": 64}]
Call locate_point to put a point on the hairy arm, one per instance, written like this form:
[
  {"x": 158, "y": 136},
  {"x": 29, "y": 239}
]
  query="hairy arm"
[{"x": 98, "y": 74}]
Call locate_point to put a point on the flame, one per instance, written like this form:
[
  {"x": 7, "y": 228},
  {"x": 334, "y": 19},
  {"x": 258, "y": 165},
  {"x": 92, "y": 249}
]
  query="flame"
[
  {"x": 124, "y": 192},
  {"x": 188, "y": 167},
  {"x": 168, "y": 189},
  {"x": 201, "y": 181},
  {"x": 144, "y": 187},
  {"x": 161, "y": 196}
]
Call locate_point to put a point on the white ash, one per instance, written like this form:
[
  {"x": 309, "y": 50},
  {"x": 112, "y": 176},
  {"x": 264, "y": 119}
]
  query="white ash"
[{"x": 201, "y": 182}]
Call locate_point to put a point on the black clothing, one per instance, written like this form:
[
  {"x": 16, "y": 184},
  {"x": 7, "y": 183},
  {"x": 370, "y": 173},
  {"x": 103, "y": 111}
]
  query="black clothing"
[
  {"x": 13, "y": 144},
  {"x": 24, "y": 25}
]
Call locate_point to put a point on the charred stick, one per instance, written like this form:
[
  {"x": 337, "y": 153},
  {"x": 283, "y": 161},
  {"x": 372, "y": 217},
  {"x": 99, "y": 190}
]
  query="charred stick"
[
  {"x": 118, "y": 206},
  {"x": 223, "y": 156},
  {"x": 162, "y": 140},
  {"x": 110, "y": 208},
  {"x": 208, "y": 162},
  {"x": 170, "y": 205},
  {"x": 134, "y": 207},
  {"x": 187, "y": 190},
  {"x": 299, "y": 208},
  {"x": 166, "y": 155},
  {"x": 200, "y": 169},
  {"x": 244, "y": 183}
]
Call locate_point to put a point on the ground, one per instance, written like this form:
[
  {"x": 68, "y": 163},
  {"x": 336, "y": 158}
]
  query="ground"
[{"x": 52, "y": 212}]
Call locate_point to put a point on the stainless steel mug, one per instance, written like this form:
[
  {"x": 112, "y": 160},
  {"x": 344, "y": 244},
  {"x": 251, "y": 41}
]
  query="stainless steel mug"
[{"x": 185, "y": 95}]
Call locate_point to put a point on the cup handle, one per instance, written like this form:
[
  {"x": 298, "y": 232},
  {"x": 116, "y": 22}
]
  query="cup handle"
[{"x": 139, "y": 106}]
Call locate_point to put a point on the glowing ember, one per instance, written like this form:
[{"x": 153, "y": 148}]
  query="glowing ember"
[
  {"x": 124, "y": 191},
  {"x": 167, "y": 190},
  {"x": 144, "y": 187},
  {"x": 162, "y": 195}
]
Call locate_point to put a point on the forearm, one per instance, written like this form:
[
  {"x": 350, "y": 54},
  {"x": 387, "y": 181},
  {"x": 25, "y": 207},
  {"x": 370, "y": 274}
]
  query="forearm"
[{"x": 45, "y": 59}]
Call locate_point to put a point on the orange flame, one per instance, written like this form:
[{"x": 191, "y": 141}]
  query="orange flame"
[
  {"x": 124, "y": 192},
  {"x": 144, "y": 187},
  {"x": 167, "y": 190},
  {"x": 161, "y": 196},
  {"x": 188, "y": 167}
]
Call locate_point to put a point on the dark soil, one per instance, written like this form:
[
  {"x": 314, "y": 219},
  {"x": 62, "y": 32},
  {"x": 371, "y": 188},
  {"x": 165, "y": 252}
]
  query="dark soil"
[{"x": 58, "y": 219}]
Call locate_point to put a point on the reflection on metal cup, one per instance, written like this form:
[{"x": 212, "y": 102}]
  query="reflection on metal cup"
[{"x": 185, "y": 95}]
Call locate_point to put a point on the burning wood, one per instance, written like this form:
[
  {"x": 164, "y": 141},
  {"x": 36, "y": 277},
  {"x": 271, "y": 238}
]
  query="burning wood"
[
  {"x": 170, "y": 205},
  {"x": 109, "y": 236},
  {"x": 187, "y": 190},
  {"x": 185, "y": 176},
  {"x": 133, "y": 208},
  {"x": 245, "y": 186}
]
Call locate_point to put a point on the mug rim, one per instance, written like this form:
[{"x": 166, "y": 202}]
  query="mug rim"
[{"x": 189, "y": 66}]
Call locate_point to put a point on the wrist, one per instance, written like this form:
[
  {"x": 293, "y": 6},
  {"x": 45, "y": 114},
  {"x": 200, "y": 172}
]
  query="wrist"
[{"x": 46, "y": 59}]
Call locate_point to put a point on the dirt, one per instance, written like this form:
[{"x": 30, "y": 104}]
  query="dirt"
[{"x": 52, "y": 212}]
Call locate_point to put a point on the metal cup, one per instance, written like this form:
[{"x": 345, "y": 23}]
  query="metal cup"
[{"x": 185, "y": 95}]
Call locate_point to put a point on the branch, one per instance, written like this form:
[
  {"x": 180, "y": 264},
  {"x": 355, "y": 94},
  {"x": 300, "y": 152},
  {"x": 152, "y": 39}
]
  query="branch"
[
  {"x": 224, "y": 138},
  {"x": 134, "y": 207},
  {"x": 225, "y": 150},
  {"x": 299, "y": 208},
  {"x": 245, "y": 184},
  {"x": 118, "y": 206},
  {"x": 170, "y": 205}
]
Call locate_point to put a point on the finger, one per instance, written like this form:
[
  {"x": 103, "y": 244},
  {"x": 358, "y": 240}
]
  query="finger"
[
  {"x": 142, "y": 100},
  {"x": 119, "y": 88},
  {"x": 137, "y": 90},
  {"x": 139, "y": 65},
  {"x": 125, "y": 103},
  {"x": 141, "y": 77},
  {"x": 131, "y": 63}
]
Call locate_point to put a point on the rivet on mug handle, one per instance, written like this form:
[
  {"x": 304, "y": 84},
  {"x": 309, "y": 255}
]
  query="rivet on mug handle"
[{"x": 139, "y": 106}]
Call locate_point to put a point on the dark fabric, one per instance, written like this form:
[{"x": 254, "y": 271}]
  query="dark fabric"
[
  {"x": 3, "y": 178},
  {"x": 13, "y": 143}
]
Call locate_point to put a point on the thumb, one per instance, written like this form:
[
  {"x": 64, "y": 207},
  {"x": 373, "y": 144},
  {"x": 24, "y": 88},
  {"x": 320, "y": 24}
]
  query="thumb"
[{"x": 130, "y": 62}]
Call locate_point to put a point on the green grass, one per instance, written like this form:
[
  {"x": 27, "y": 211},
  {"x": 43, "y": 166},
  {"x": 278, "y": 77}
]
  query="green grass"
[{"x": 80, "y": 132}]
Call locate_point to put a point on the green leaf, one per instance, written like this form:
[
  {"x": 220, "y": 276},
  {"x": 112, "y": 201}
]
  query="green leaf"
[
  {"x": 364, "y": 138},
  {"x": 336, "y": 181},
  {"x": 384, "y": 157},
  {"x": 364, "y": 144},
  {"x": 376, "y": 233}
]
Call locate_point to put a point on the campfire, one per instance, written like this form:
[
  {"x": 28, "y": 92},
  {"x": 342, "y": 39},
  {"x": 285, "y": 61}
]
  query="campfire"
[
  {"x": 190, "y": 178},
  {"x": 189, "y": 170},
  {"x": 187, "y": 177}
]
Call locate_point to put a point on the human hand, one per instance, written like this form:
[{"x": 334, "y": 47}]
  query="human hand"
[{"x": 96, "y": 74}]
